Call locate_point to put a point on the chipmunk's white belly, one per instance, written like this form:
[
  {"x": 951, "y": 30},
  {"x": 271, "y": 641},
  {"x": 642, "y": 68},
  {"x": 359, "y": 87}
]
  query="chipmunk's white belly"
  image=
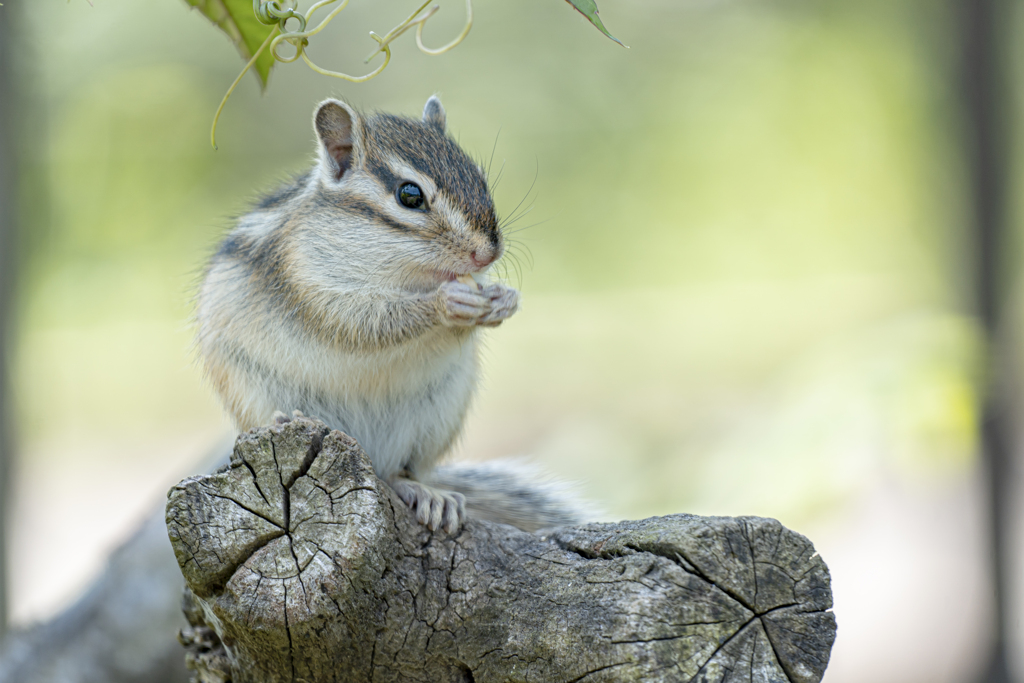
[{"x": 404, "y": 405}]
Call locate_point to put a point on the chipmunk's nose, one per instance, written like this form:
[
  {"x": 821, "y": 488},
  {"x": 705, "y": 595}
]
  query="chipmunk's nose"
[{"x": 482, "y": 259}]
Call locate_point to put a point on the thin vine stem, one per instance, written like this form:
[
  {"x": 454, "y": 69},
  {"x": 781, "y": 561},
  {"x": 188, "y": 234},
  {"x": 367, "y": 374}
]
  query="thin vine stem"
[
  {"x": 402, "y": 28},
  {"x": 238, "y": 79},
  {"x": 352, "y": 79}
]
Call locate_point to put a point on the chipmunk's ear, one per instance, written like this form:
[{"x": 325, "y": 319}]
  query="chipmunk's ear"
[
  {"x": 338, "y": 129},
  {"x": 433, "y": 113}
]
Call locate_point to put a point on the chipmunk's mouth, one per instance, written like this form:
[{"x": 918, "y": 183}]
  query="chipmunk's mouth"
[
  {"x": 429, "y": 279},
  {"x": 443, "y": 276}
]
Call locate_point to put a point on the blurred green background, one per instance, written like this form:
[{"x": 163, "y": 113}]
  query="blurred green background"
[{"x": 743, "y": 269}]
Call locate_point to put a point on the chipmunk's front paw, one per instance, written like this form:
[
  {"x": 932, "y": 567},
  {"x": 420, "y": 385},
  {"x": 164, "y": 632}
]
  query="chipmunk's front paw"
[
  {"x": 434, "y": 509},
  {"x": 463, "y": 304},
  {"x": 504, "y": 302}
]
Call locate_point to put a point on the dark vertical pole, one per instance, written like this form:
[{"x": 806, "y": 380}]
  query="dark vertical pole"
[
  {"x": 7, "y": 264},
  {"x": 987, "y": 149}
]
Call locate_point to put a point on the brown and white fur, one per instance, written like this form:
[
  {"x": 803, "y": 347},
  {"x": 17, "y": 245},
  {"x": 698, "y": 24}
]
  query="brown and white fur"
[{"x": 334, "y": 299}]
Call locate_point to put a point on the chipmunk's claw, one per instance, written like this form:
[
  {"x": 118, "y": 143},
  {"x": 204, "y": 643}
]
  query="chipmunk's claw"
[
  {"x": 279, "y": 418},
  {"x": 433, "y": 508}
]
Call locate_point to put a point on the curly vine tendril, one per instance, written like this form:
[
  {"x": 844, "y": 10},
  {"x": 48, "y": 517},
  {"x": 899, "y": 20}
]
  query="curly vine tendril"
[
  {"x": 458, "y": 39},
  {"x": 271, "y": 13}
]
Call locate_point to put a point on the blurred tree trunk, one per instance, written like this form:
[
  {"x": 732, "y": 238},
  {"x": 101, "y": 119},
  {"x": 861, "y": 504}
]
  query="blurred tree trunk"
[
  {"x": 987, "y": 145},
  {"x": 7, "y": 266}
]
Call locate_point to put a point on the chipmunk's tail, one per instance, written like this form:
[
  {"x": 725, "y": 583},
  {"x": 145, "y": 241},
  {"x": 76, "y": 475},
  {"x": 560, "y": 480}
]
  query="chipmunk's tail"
[{"x": 514, "y": 492}]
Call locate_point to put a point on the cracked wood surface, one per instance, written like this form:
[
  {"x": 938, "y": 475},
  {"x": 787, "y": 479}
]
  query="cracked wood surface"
[{"x": 303, "y": 566}]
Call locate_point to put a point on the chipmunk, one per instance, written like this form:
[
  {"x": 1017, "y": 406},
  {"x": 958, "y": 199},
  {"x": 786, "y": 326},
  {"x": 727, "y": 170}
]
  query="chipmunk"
[{"x": 355, "y": 295}]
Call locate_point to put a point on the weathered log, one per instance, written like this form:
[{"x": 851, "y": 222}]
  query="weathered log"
[{"x": 305, "y": 567}]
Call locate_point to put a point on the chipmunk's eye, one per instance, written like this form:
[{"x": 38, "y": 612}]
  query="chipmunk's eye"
[{"x": 411, "y": 196}]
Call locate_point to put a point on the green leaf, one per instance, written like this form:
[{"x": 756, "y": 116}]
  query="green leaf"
[
  {"x": 588, "y": 8},
  {"x": 239, "y": 22}
]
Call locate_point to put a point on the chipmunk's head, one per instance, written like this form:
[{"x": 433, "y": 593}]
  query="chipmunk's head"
[{"x": 403, "y": 197}]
